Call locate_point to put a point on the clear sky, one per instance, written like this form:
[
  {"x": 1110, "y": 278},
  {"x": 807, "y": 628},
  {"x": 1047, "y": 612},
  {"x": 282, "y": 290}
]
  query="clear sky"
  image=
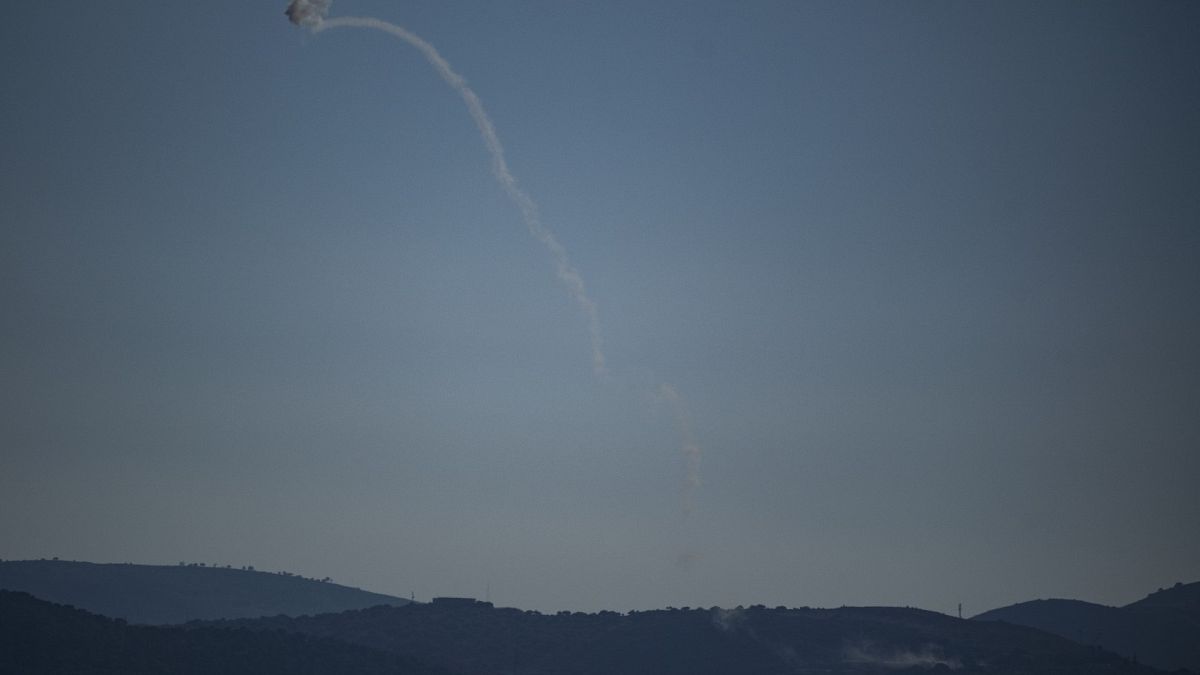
[{"x": 927, "y": 275}]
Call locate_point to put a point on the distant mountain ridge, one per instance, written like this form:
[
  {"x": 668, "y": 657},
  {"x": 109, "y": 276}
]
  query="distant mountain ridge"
[
  {"x": 310, "y": 626},
  {"x": 43, "y": 638},
  {"x": 478, "y": 639},
  {"x": 1180, "y": 596},
  {"x": 1161, "y": 630},
  {"x": 165, "y": 594}
]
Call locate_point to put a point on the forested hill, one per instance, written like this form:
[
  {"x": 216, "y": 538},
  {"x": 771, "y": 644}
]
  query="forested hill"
[
  {"x": 161, "y": 594},
  {"x": 42, "y": 638},
  {"x": 1161, "y": 630},
  {"x": 476, "y": 638},
  {"x": 1181, "y": 596}
]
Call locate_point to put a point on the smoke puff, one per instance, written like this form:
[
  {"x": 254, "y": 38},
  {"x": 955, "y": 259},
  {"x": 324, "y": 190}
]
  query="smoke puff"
[
  {"x": 308, "y": 13},
  {"x": 729, "y": 620},
  {"x": 866, "y": 653}
]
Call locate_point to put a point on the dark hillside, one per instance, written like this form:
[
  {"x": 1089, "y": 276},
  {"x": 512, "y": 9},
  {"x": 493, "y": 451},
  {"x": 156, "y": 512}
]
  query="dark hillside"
[
  {"x": 158, "y": 594},
  {"x": 1180, "y": 596},
  {"x": 1091, "y": 624},
  {"x": 41, "y": 638},
  {"x": 1160, "y": 630},
  {"x": 756, "y": 641}
]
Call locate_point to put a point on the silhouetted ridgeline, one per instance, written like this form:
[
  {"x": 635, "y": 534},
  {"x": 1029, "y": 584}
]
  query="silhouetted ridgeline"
[
  {"x": 41, "y": 638},
  {"x": 159, "y": 594},
  {"x": 481, "y": 639},
  {"x": 462, "y": 636},
  {"x": 1161, "y": 630},
  {"x": 1181, "y": 596}
]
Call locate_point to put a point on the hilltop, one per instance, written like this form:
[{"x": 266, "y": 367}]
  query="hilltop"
[
  {"x": 1161, "y": 630},
  {"x": 38, "y": 637},
  {"x": 1181, "y": 596},
  {"x": 332, "y": 628},
  {"x": 164, "y": 594}
]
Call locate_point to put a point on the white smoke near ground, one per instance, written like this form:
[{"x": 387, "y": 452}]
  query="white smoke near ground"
[
  {"x": 312, "y": 13},
  {"x": 729, "y": 620},
  {"x": 870, "y": 654},
  {"x": 736, "y": 621}
]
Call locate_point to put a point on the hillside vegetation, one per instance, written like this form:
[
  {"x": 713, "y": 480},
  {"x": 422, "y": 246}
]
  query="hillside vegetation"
[
  {"x": 158, "y": 594},
  {"x": 482, "y": 639},
  {"x": 1161, "y": 630},
  {"x": 40, "y": 638}
]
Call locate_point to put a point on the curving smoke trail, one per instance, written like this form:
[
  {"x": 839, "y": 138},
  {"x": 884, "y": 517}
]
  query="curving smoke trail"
[{"x": 311, "y": 14}]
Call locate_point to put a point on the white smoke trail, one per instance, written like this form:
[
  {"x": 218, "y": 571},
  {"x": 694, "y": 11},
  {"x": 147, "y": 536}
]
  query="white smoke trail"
[
  {"x": 691, "y": 450},
  {"x": 311, "y": 13},
  {"x": 566, "y": 272}
]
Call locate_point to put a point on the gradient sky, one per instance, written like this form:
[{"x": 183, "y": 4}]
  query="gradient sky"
[{"x": 927, "y": 275}]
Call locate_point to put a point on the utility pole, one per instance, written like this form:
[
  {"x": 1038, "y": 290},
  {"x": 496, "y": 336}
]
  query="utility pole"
[{"x": 960, "y": 610}]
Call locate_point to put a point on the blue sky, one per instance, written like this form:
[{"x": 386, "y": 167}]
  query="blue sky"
[{"x": 924, "y": 273}]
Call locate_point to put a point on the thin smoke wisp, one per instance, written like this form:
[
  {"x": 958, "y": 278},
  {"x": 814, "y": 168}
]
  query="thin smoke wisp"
[
  {"x": 691, "y": 450},
  {"x": 311, "y": 14},
  {"x": 566, "y": 272}
]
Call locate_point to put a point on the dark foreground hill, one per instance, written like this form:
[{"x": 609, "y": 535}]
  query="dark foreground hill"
[
  {"x": 159, "y": 594},
  {"x": 41, "y": 638},
  {"x": 1161, "y": 630},
  {"x": 479, "y": 639}
]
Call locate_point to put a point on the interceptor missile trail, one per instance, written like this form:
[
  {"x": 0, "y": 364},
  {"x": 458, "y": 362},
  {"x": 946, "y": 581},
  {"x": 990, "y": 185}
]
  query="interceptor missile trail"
[
  {"x": 308, "y": 13},
  {"x": 311, "y": 14}
]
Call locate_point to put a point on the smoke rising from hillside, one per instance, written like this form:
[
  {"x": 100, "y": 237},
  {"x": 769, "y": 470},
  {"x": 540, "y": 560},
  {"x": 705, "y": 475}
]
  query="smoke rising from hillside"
[{"x": 865, "y": 653}]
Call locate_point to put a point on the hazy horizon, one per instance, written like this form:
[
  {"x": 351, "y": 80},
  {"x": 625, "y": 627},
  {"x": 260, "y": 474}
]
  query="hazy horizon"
[{"x": 926, "y": 276}]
